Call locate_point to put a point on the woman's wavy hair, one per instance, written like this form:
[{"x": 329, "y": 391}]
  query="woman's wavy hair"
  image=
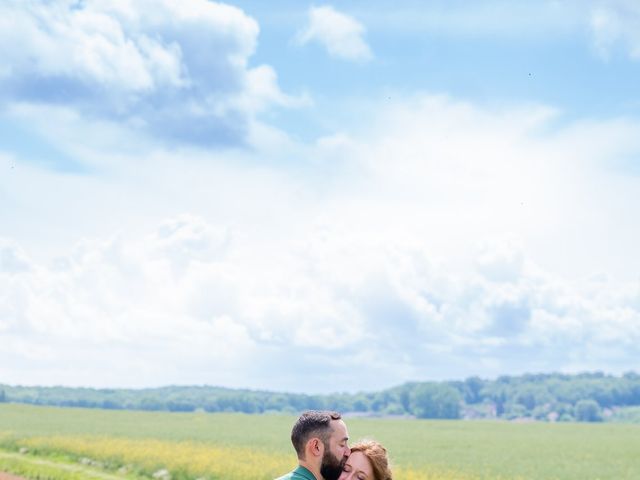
[{"x": 377, "y": 456}]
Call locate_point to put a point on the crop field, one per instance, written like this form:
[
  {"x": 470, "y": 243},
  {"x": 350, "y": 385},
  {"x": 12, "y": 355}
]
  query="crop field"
[{"x": 70, "y": 444}]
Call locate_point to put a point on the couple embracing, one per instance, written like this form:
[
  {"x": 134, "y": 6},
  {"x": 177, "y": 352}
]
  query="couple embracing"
[{"x": 320, "y": 439}]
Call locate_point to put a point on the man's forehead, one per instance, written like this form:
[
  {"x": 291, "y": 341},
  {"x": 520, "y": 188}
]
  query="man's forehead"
[{"x": 339, "y": 428}]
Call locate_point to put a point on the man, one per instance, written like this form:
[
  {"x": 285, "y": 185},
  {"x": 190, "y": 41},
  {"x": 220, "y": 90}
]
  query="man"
[{"x": 320, "y": 439}]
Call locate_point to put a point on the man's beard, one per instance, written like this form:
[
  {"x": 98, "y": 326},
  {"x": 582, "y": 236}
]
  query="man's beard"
[{"x": 331, "y": 467}]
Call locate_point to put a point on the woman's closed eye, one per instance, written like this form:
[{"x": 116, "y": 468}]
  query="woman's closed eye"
[{"x": 358, "y": 467}]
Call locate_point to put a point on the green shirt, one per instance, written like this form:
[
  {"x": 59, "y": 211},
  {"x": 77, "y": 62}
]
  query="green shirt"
[{"x": 299, "y": 473}]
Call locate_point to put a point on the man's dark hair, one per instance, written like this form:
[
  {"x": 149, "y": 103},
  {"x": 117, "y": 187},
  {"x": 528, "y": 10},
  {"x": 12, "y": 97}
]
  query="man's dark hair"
[{"x": 312, "y": 423}]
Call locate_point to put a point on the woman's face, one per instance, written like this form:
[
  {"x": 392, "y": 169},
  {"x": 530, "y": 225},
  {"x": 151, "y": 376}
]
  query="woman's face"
[{"x": 357, "y": 467}]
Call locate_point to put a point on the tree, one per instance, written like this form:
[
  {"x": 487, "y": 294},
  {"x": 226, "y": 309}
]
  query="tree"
[
  {"x": 588, "y": 411},
  {"x": 541, "y": 412},
  {"x": 3, "y": 396},
  {"x": 531, "y": 396},
  {"x": 430, "y": 400},
  {"x": 515, "y": 410},
  {"x": 360, "y": 403},
  {"x": 473, "y": 386},
  {"x": 497, "y": 393},
  {"x": 405, "y": 398},
  {"x": 394, "y": 409},
  {"x": 276, "y": 403},
  {"x": 565, "y": 410}
]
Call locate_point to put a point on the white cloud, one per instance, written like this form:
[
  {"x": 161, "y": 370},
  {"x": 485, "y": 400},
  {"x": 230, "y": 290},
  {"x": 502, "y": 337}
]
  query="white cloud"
[
  {"x": 187, "y": 238},
  {"x": 339, "y": 33},
  {"x": 369, "y": 306},
  {"x": 12, "y": 258},
  {"x": 444, "y": 240},
  {"x": 616, "y": 22},
  {"x": 176, "y": 69},
  {"x": 434, "y": 239},
  {"x": 503, "y": 261}
]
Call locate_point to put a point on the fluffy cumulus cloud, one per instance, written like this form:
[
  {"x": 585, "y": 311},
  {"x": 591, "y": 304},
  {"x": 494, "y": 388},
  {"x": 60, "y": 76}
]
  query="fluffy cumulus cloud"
[
  {"x": 340, "y": 34},
  {"x": 617, "y": 23},
  {"x": 111, "y": 310},
  {"x": 177, "y": 69},
  {"x": 445, "y": 240},
  {"x": 12, "y": 257}
]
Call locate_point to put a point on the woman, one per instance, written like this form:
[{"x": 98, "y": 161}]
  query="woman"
[{"x": 368, "y": 461}]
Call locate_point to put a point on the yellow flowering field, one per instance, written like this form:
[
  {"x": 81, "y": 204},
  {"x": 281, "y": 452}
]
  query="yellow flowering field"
[
  {"x": 181, "y": 460},
  {"x": 81, "y": 443}
]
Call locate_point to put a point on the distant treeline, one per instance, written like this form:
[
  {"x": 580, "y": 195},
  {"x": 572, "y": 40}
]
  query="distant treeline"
[{"x": 548, "y": 397}]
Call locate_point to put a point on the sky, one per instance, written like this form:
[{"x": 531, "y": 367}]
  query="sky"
[{"x": 315, "y": 197}]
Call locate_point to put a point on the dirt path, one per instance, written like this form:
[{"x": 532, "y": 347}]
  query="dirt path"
[
  {"x": 69, "y": 467},
  {"x": 8, "y": 476}
]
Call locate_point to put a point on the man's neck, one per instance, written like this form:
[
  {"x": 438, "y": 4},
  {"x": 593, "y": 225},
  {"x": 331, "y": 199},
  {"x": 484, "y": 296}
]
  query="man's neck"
[{"x": 315, "y": 470}]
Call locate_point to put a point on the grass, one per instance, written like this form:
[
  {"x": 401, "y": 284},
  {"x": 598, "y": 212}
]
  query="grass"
[
  {"x": 235, "y": 446},
  {"x": 626, "y": 415},
  {"x": 40, "y": 468}
]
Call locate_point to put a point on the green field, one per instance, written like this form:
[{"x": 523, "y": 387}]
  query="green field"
[{"x": 186, "y": 444}]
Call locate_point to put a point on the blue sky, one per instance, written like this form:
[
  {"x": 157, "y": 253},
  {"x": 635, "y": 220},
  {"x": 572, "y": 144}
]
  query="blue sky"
[{"x": 317, "y": 197}]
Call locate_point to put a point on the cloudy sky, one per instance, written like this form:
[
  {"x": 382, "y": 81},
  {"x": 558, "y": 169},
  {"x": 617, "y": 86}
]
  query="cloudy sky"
[{"x": 317, "y": 197}]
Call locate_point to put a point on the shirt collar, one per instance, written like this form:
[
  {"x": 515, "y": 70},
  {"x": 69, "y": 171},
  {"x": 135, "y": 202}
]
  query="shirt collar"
[{"x": 304, "y": 472}]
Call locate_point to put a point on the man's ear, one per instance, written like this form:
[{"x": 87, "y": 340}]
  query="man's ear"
[{"x": 315, "y": 447}]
